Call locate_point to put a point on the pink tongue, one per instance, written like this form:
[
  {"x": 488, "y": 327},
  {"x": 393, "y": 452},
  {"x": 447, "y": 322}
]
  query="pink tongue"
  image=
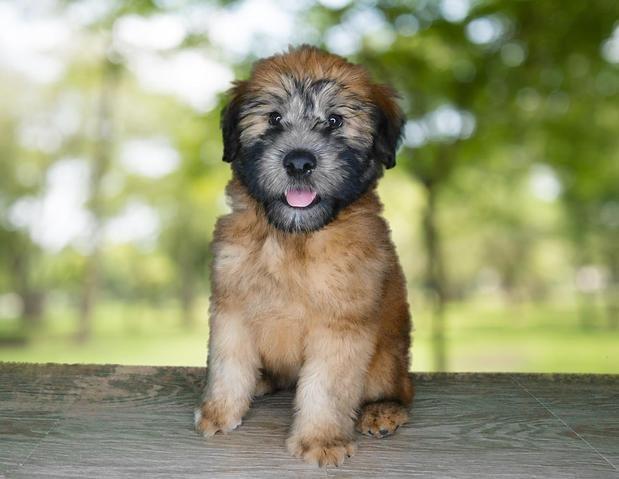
[{"x": 300, "y": 198}]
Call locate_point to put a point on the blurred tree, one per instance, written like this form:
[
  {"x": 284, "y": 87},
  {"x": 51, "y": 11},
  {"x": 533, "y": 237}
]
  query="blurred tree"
[
  {"x": 475, "y": 82},
  {"x": 570, "y": 112},
  {"x": 19, "y": 185},
  {"x": 101, "y": 158},
  {"x": 495, "y": 92},
  {"x": 194, "y": 187}
]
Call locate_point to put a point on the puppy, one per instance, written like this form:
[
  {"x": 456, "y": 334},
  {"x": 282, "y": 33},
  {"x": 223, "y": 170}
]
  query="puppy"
[{"x": 306, "y": 285}]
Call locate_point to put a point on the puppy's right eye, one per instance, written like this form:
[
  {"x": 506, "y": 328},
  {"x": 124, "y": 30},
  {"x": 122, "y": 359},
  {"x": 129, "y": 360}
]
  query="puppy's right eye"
[
  {"x": 334, "y": 121},
  {"x": 275, "y": 118}
]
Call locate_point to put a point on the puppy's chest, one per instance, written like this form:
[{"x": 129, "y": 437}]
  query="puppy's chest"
[
  {"x": 284, "y": 264},
  {"x": 276, "y": 302},
  {"x": 267, "y": 273},
  {"x": 284, "y": 288},
  {"x": 303, "y": 277}
]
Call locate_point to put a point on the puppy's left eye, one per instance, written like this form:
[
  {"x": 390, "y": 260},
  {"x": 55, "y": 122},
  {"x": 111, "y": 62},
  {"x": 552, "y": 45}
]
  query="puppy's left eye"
[
  {"x": 275, "y": 118},
  {"x": 334, "y": 121}
]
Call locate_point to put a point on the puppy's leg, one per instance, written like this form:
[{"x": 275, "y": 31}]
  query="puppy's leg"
[
  {"x": 388, "y": 394},
  {"x": 328, "y": 394},
  {"x": 232, "y": 373}
]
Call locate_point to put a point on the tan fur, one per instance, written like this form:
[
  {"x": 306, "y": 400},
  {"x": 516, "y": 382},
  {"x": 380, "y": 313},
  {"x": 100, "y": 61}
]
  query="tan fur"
[
  {"x": 381, "y": 419},
  {"x": 326, "y": 310}
]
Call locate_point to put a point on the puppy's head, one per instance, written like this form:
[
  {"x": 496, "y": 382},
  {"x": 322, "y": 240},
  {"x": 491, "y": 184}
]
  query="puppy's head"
[{"x": 308, "y": 134}]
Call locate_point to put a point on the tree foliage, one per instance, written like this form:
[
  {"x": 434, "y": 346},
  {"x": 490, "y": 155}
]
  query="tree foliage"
[{"x": 500, "y": 95}]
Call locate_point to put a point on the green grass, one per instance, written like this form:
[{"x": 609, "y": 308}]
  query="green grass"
[
  {"x": 522, "y": 338},
  {"x": 122, "y": 333},
  {"x": 480, "y": 336}
]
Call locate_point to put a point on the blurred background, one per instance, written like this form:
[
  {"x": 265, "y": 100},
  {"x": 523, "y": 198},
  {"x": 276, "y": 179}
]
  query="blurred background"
[{"x": 504, "y": 204}]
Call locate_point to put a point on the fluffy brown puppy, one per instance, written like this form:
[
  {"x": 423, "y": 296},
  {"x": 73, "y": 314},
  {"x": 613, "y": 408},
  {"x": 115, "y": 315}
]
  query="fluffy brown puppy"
[{"x": 306, "y": 284}]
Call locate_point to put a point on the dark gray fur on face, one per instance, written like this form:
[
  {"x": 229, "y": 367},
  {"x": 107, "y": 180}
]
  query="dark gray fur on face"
[{"x": 347, "y": 162}]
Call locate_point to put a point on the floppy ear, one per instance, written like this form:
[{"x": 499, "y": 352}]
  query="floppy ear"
[
  {"x": 389, "y": 124},
  {"x": 230, "y": 122}
]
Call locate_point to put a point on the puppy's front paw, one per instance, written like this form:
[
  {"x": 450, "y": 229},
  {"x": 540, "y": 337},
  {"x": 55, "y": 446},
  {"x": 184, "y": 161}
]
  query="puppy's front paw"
[
  {"x": 321, "y": 451},
  {"x": 211, "y": 418}
]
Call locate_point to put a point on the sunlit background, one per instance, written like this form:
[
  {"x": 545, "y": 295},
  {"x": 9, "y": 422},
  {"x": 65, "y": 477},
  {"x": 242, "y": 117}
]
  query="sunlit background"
[{"x": 504, "y": 204}]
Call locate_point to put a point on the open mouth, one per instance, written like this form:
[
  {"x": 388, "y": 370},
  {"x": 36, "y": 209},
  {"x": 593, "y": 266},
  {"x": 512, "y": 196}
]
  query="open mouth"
[{"x": 301, "y": 198}]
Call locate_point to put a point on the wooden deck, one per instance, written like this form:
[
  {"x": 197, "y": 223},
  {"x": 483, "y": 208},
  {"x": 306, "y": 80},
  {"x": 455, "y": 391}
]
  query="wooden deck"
[{"x": 115, "y": 421}]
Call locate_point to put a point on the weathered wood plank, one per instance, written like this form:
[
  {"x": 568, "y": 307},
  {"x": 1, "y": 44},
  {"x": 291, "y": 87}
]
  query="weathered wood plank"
[
  {"x": 19, "y": 437},
  {"x": 589, "y": 410},
  {"x": 477, "y": 429},
  {"x": 108, "y": 421}
]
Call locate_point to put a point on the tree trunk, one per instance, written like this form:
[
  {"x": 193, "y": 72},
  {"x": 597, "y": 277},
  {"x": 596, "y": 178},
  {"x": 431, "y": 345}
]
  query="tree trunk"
[
  {"x": 187, "y": 296},
  {"x": 612, "y": 289},
  {"x": 32, "y": 309},
  {"x": 31, "y": 298},
  {"x": 585, "y": 296},
  {"x": 88, "y": 299},
  {"x": 100, "y": 164},
  {"x": 435, "y": 276}
]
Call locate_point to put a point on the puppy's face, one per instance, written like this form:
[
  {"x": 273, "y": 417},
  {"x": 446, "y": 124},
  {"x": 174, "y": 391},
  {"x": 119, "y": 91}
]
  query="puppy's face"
[{"x": 308, "y": 134}]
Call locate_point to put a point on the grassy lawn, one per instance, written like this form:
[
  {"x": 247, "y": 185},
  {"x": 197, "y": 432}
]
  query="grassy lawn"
[
  {"x": 480, "y": 337},
  {"x": 524, "y": 338}
]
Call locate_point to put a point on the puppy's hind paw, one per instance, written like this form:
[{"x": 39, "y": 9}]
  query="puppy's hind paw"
[
  {"x": 381, "y": 419},
  {"x": 264, "y": 386}
]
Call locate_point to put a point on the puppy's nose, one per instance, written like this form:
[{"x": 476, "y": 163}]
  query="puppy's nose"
[{"x": 299, "y": 163}]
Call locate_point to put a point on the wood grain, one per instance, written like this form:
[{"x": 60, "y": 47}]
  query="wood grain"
[{"x": 120, "y": 422}]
